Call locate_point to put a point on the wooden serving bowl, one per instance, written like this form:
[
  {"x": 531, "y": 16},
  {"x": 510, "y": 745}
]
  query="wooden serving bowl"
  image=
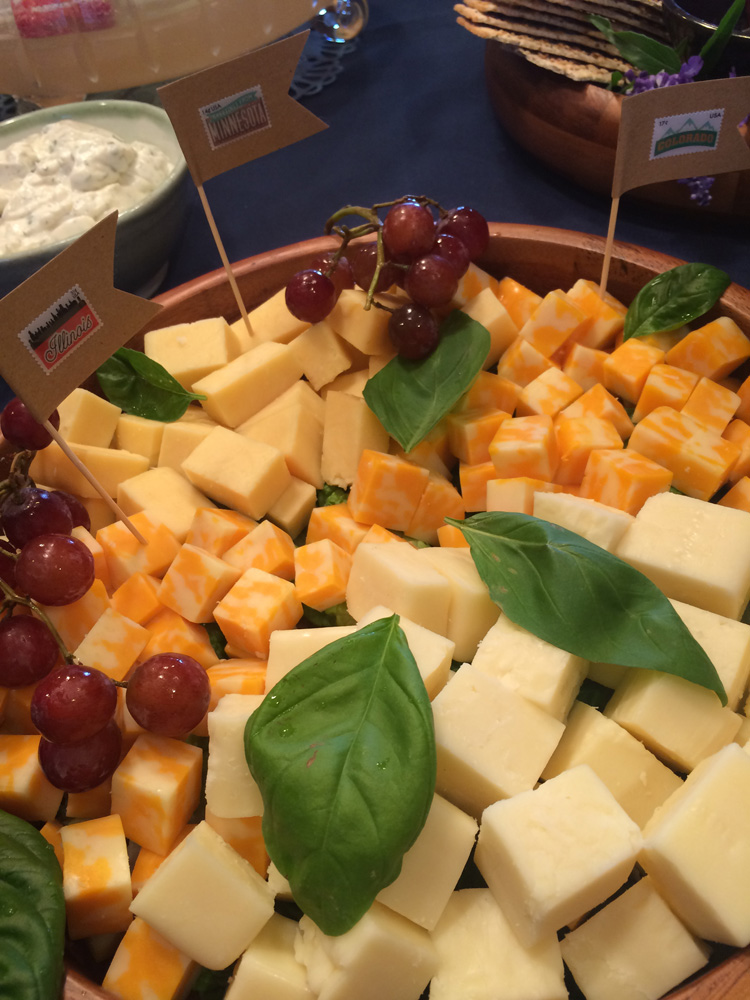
[{"x": 540, "y": 258}]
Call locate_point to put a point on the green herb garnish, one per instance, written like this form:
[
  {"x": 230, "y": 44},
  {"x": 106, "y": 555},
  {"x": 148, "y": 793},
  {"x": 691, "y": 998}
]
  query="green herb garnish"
[
  {"x": 713, "y": 48},
  {"x": 581, "y": 598},
  {"x": 343, "y": 750},
  {"x": 639, "y": 49},
  {"x": 337, "y": 615},
  {"x": 328, "y": 495},
  {"x": 674, "y": 298},
  {"x": 142, "y": 387}
]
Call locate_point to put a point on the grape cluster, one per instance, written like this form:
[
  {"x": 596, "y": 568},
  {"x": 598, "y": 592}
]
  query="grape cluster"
[
  {"x": 425, "y": 255},
  {"x": 42, "y": 564}
]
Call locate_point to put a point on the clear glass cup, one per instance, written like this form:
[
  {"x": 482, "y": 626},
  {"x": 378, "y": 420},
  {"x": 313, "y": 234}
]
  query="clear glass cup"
[{"x": 342, "y": 20}]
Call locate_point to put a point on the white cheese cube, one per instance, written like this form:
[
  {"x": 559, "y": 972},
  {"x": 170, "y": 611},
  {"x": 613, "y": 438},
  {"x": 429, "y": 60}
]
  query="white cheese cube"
[
  {"x": 552, "y": 854},
  {"x": 231, "y": 790},
  {"x": 597, "y": 522},
  {"x": 289, "y": 647},
  {"x": 433, "y": 653},
  {"x": 726, "y": 643},
  {"x": 205, "y": 899},
  {"x": 268, "y": 968}
]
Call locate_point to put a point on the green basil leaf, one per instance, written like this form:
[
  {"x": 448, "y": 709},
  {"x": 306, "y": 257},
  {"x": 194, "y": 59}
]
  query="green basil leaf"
[
  {"x": 142, "y": 387},
  {"x": 328, "y": 495},
  {"x": 336, "y": 615},
  {"x": 674, "y": 298},
  {"x": 713, "y": 48},
  {"x": 640, "y": 50},
  {"x": 343, "y": 749},
  {"x": 411, "y": 397},
  {"x": 581, "y": 598},
  {"x": 217, "y": 639}
]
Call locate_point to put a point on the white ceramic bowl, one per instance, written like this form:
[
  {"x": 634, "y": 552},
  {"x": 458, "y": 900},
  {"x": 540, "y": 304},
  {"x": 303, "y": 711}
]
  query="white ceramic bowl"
[{"x": 147, "y": 232}]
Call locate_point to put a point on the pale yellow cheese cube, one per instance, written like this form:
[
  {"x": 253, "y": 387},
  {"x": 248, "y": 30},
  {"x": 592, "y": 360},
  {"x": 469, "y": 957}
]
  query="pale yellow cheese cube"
[
  {"x": 289, "y": 647},
  {"x": 364, "y": 329},
  {"x": 291, "y": 511},
  {"x": 241, "y": 336},
  {"x": 248, "y": 383},
  {"x": 86, "y": 418},
  {"x": 139, "y": 435},
  {"x": 299, "y": 393},
  {"x": 697, "y": 851},
  {"x": 206, "y": 899},
  {"x": 107, "y": 465},
  {"x": 179, "y": 439},
  {"x": 551, "y": 854},
  {"x": 189, "y": 351},
  {"x": 298, "y": 437},
  {"x": 597, "y": 522},
  {"x": 24, "y": 788},
  {"x": 166, "y": 496},
  {"x": 350, "y": 427},
  {"x": 726, "y": 643},
  {"x": 353, "y": 382},
  {"x": 268, "y": 967},
  {"x": 271, "y": 320},
  {"x": 322, "y": 354},
  {"x": 113, "y": 644},
  {"x": 488, "y": 310},
  {"x": 195, "y": 581},
  {"x": 96, "y": 877},
  {"x": 432, "y": 653},
  {"x": 231, "y": 790},
  {"x": 147, "y": 965},
  {"x": 238, "y": 472}
]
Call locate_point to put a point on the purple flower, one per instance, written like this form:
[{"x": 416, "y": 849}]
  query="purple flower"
[{"x": 700, "y": 189}]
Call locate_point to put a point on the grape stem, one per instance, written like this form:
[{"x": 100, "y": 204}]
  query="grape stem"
[
  {"x": 19, "y": 473},
  {"x": 11, "y": 598}
]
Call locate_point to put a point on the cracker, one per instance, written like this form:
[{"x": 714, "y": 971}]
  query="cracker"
[
  {"x": 572, "y": 18},
  {"x": 592, "y": 40}
]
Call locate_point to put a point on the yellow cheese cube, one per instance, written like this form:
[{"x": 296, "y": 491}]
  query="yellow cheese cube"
[
  {"x": 488, "y": 310},
  {"x": 299, "y": 393},
  {"x": 298, "y": 437},
  {"x": 86, "y": 418},
  {"x": 109, "y": 466},
  {"x": 96, "y": 877},
  {"x": 289, "y": 647},
  {"x": 244, "y": 834},
  {"x": 147, "y": 967},
  {"x": 292, "y": 510},
  {"x": 189, "y": 351},
  {"x": 271, "y": 320},
  {"x": 179, "y": 439},
  {"x": 164, "y": 495},
  {"x": 194, "y": 582},
  {"x": 113, "y": 644},
  {"x": 254, "y": 607},
  {"x": 231, "y": 790},
  {"x": 349, "y": 429},
  {"x": 432, "y": 653},
  {"x": 268, "y": 967},
  {"x": 364, "y": 329},
  {"x": 24, "y": 789},
  {"x": 139, "y": 435},
  {"x": 322, "y": 354}
]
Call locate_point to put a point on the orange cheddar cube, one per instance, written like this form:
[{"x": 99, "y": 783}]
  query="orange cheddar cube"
[
  {"x": 216, "y": 529},
  {"x": 470, "y": 433},
  {"x": 743, "y": 391},
  {"x": 113, "y": 644},
  {"x": 378, "y": 535},
  {"x": 738, "y": 496},
  {"x": 155, "y": 789},
  {"x": 321, "y": 572},
  {"x": 525, "y": 446},
  {"x": 147, "y": 967},
  {"x": 96, "y": 877},
  {"x": 665, "y": 385},
  {"x": 489, "y": 392},
  {"x": 245, "y": 835},
  {"x": 699, "y": 459},
  {"x": 738, "y": 432},
  {"x": 91, "y": 804},
  {"x": 472, "y": 283},
  {"x": 440, "y": 500},
  {"x": 606, "y": 313},
  {"x": 101, "y": 567},
  {"x": 713, "y": 350},
  {"x": 74, "y": 621},
  {"x": 265, "y": 547},
  {"x": 555, "y": 321},
  {"x": 520, "y": 301},
  {"x": 576, "y": 438},
  {"x": 148, "y": 861},
  {"x": 51, "y": 833},
  {"x": 516, "y": 495},
  {"x": 24, "y": 789},
  {"x": 336, "y": 522},
  {"x": 254, "y": 607},
  {"x": 585, "y": 365},
  {"x": 712, "y": 405},
  {"x": 433, "y": 452},
  {"x": 138, "y": 598},
  {"x": 547, "y": 394},
  {"x": 236, "y": 676},
  {"x": 17, "y": 710},
  {"x": 449, "y": 536},
  {"x": 522, "y": 362},
  {"x": 598, "y": 402},
  {"x": 195, "y": 582},
  {"x": 126, "y": 555},
  {"x": 623, "y": 479},
  {"x": 386, "y": 490},
  {"x": 626, "y": 369},
  {"x": 473, "y": 481},
  {"x": 169, "y": 632}
]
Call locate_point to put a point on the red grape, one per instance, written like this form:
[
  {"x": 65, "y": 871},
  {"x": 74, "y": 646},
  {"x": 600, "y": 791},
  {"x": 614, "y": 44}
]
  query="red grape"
[
  {"x": 451, "y": 248},
  {"x": 469, "y": 226},
  {"x": 364, "y": 260},
  {"x": 54, "y": 569},
  {"x": 78, "y": 767},
  {"x": 414, "y": 331},
  {"x": 431, "y": 281},
  {"x": 81, "y": 517},
  {"x": 341, "y": 276},
  {"x": 31, "y": 511},
  {"x": 408, "y": 230},
  {"x": 310, "y": 295},
  {"x": 168, "y": 694},
  {"x": 28, "y": 650},
  {"x": 73, "y": 703},
  {"x": 23, "y": 430}
]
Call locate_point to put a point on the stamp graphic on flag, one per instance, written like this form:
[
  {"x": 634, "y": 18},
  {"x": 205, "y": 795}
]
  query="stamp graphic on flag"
[
  {"x": 678, "y": 134},
  {"x": 61, "y": 328}
]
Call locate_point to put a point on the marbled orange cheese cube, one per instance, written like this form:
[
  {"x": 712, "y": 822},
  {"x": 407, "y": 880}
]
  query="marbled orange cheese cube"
[
  {"x": 519, "y": 300},
  {"x": 195, "y": 582},
  {"x": 489, "y": 391},
  {"x": 598, "y": 402},
  {"x": 321, "y": 572},
  {"x": 665, "y": 385},
  {"x": 245, "y": 835},
  {"x": 449, "y": 536},
  {"x": 51, "y": 833},
  {"x": 265, "y": 547},
  {"x": 171, "y": 633},
  {"x": 738, "y": 496},
  {"x": 17, "y": 710},
  {"x": 113, "y": 644},
  {"x": 470, "y": 433},
  {"x": 74, "y": 621},
  {"x": 606, "y": 313},
  {"x": 126, "y": 555},
  {"x": 522, "y": 362},
  {"x": 138, "y": 598},
  {"x": 576, "y": 438},
  {"x": 433, "y": 452},
  {"x": 712, "y": 405},
  {"x": 91, "y": 804},
  {"x": 155, "y": 789},
  {"x": 147, "y": 967},
  {"x": 623, "y": 479},
  {"x": 713, "y": 350},
  {"x": 700, "y": 460},
  {"x": 24, "y": 789},
  {"x": 585, "y": 365},
  {"x": 96, "y": 877},
  {"x": 472, "y": 283},
  {"x": 216, "y": 529},
  {"x": 101, "y": 567},
  {"x": 386, "y": 490},
  {"x": 743, "y": 391},
  {"x": 335, "y": 521},
  {"x": 254, "y": 607},
  {"x": 547, "y": 394},
  {"x": 525, "y": 446},
  {"x": 378, "y": 535},
  {"x": 473, "y": 481},
  {"x": 555, "y": 321},
  {"x": 148, "y": 861},
  {"x": 738, "y": 432},
  {"x": 237, "y": 675},
  {"x": 440, "y": 500},
  {"x": 627, "y": 367},
  {"x": 516, "y": 494}
]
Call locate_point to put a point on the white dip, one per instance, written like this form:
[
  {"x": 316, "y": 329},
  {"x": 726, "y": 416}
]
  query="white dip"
[{"x": 58, "y": 182}]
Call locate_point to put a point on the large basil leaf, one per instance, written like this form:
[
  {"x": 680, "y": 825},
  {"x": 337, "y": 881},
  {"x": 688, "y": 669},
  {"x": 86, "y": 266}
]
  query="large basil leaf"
[
  {"x": 581, "y": 598},
  {"x": 343, "y": 750},
  {"x": 674, "y": 298},
  {"x": 32, "y": 913},
  {"x": 640, "y": 50},
  {"x": 713, "y": 48},
  {"x": 411, "y": 397},
  {"x": 142, "y": 387}
]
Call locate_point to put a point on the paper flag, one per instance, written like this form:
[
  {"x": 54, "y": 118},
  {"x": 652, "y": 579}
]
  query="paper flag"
[
  {"x": 60, "y": 324},
  {"x": 239, "y": 110},
  {"x": 689, "y": 130}
]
